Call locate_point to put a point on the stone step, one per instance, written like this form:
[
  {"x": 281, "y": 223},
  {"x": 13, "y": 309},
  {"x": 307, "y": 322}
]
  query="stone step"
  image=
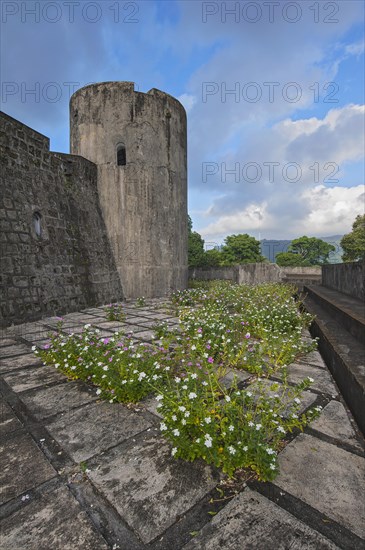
[
  {"x": 344, "y": 356},
  {"x": 348, "y": 311}
]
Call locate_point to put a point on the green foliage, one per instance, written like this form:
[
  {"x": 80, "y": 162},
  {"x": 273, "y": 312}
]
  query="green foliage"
[
  {"x": 213, "y": 258},
  {"x": 121, "y": 370},
  {"x": 195, "y": 250},
  {"x": 141, "y": 301},
  {"x": 230, "y": 428},
  {"x": 290, "y": 259},
  {"x": 239, "y": 249},
  {"x": 115, "y": 312},
  {"x": 312, "y": 250},
  {"x": 353, "y": 243},
  {"x": 205, "y": 414}
]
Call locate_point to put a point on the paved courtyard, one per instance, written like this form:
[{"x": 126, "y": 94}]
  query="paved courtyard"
[{"x": 80, "y": 473}]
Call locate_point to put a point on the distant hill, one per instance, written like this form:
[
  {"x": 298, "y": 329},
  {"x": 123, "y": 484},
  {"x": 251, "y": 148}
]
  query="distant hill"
[{"x": 271, "y": 247}]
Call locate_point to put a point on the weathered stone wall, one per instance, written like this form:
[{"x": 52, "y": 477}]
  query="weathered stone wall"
[
  {"x": 144, "y": 202},
  {"x": 347, "y": 278},
  {"x": 229, "y": 273},
  {"x": 257, "y": 273},
  {"x": 70, "y": 265}
]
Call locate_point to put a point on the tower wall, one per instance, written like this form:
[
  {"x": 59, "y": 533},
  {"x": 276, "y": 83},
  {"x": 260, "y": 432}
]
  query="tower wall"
[{"x": 144, "y": 202}]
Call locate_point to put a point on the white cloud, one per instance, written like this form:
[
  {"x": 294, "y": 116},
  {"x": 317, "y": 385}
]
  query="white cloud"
[
  {"x": 357, "y": 48},
  {"x": 328, "y": 211}
]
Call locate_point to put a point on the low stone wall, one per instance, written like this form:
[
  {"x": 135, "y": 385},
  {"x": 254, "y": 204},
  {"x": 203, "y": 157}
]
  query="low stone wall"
[
  {"x": 259, "y": 273},
  {"x": 251, "y": 274},
  {"x": 229, "y": 273},
  {"x": 347, "y": 278}
]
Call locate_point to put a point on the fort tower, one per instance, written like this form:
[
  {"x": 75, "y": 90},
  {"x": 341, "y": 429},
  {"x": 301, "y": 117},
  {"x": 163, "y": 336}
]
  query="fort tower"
[{"x": 138, "y": 142}]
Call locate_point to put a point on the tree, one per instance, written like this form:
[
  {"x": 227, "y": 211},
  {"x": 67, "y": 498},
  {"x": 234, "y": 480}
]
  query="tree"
[
  {"x": 353, "y": 244},
  {"x": 285, "y": 259},
  {"x": 239, "y": 249},
  {"x": 195, "y": 247},
  {"x": 312, "y": 250},
  {"x": 212, "y": 257}
]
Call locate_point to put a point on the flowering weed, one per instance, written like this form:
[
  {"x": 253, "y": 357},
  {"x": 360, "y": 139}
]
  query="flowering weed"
[{"x": 257, "y": 330}]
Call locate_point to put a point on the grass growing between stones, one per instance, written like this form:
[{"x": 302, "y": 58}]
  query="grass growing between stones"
[{"x": 257, "y": 330}]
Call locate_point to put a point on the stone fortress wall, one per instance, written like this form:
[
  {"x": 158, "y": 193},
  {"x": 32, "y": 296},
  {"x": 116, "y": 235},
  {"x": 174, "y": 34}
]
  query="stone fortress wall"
[
  {"x": 55, "y": 253},
  {"x": 105, "y": 223}
]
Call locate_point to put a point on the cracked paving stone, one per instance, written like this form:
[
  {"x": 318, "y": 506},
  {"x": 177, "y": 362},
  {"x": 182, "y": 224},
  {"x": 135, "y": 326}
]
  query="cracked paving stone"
[
  {"x": 54, "y": 520},
  {"x": 33, "y": 377},
  {"x": 148, "y": 487},
  {"x": 94, "y": 428},
  {"x": 45, "y": 402},
  {"x": 251, "y": 521},
  {"x": 22, "y": 466},
  {"x": 327, "y": 478}
]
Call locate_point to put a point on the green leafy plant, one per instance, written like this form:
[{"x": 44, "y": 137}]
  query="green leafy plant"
[
  {"x": 141, "y": 301},
  {"x": 225, "y": 330},
  {"x": 115, "y": 312}
]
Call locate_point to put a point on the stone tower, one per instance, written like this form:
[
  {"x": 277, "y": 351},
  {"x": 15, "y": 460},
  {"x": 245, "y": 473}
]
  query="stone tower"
[{"x": 138, "y": 142}]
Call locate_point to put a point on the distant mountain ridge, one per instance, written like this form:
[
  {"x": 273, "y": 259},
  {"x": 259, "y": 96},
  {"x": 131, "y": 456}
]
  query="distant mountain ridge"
[{"x": 271, "y": 247}]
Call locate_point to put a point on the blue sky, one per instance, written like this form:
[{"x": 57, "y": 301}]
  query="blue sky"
[{"x": 280, "y": 156}]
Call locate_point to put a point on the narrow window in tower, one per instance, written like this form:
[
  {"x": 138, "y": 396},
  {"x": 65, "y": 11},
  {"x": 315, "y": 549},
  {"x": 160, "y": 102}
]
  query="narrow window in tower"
[
  {"x": 37, "y": 224},
  {"x": 121, "y": 156}
]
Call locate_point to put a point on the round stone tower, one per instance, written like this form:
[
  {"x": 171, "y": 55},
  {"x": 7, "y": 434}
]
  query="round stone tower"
[{"x": 138, "y": 142}]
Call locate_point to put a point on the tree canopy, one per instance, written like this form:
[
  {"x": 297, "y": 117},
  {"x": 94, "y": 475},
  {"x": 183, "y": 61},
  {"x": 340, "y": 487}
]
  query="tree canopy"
[
  {"x": 353, "y": 244},
  {"x": 241, "y": 248},
  {"x": 285, "y": 259},
  {"x": 312, "y": 250}
]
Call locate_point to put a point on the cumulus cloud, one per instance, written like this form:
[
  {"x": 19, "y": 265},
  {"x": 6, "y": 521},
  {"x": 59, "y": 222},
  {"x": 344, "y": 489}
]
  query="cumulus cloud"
[
  {"x": 327, "y": 211},
  {"x": 254, "y": 91}
]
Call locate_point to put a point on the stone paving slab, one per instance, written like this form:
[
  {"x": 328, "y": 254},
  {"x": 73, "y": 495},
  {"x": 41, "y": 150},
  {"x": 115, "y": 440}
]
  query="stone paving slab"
[
  {"x": 323, "y": 380},
  {"x": 38, "y": 336},
  {"x": 95, "y": 428},
  {"x": 307, "y": 399},
  {"x": 157, "y": 317},
  {"x": 146, "y": 335},
  {"x": 136, "y": 320},
  {"x": 19, "y": 330},
  {"x": 133, "y": 329},
  {"x": 335, "y": 422},
  {"x": 109, "y": 325},
  {"x": 8, "y": 421},
  {"x": 22, "y": 466},
  {"x": 32, "y": 377},
  {"x": 240, "y": 375},
  {"x": 45, "y": 402},
  {"x": 149, "y": 488},
  {"x": 252, "y": 522},
  {"x": 19, "y": 362},
  {"x": 327, "y": 478},
  {"x": 12, "y": 351},
  {"x": 4, "y": 341},
  {"x": 54, "y": 521},
  {"x": 313, "y": 358}
]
